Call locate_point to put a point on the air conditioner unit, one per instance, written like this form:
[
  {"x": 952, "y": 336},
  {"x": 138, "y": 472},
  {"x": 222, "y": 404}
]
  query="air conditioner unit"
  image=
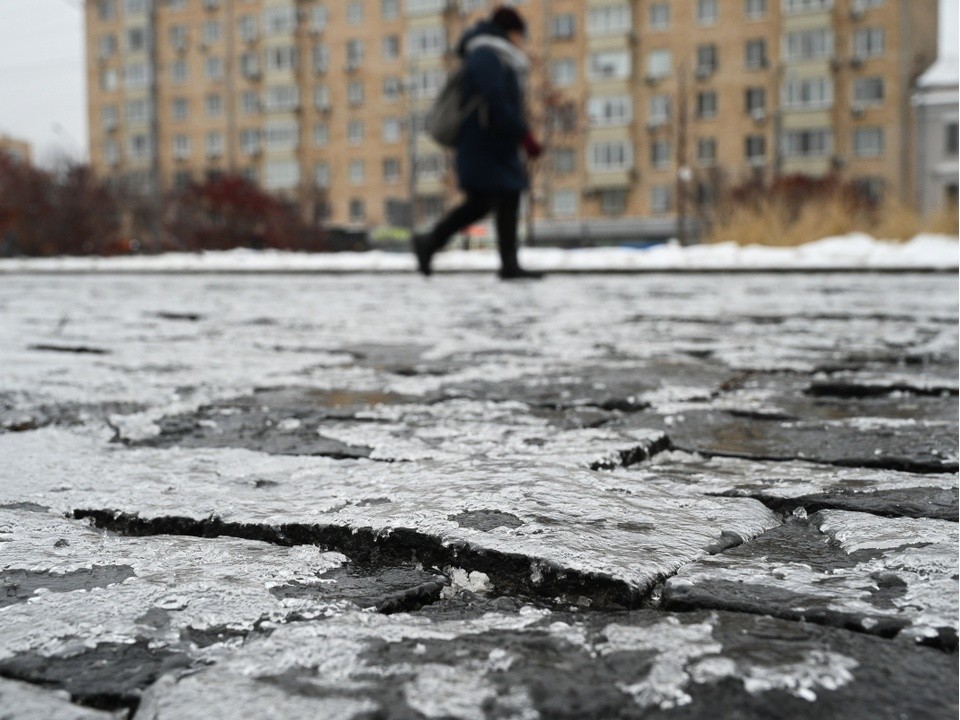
[
  {"x": 652, "y": 79},
  {"x": 758, "y": 114},
  {"x": 856, "y": 14},
  {"x": 858, "y": 111},
  {"x": 655, "y": 124},
  {"x": 856, "y": 61}
]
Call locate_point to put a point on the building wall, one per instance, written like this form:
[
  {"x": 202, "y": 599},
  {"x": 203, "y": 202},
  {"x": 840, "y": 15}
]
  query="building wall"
[
  {"x": 937, "y": 158},
  {"x": 20, "y": 150},
  {"x": 299, "y": 120}
]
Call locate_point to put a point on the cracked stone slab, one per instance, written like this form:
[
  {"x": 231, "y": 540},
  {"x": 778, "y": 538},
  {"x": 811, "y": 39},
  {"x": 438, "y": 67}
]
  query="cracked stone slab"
[
  {"x": 574, "y": 532},
  {"x": 786, "y": 486},
  {"x": 537, "y": 664},
  {"x": 23, "y": 701},
  {"x": 910, "y": 445},
  {"x": 94, "y": 592},
  {"x": 876, "y": 575}
]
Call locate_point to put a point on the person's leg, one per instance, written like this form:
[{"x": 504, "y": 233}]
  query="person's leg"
[
  {"x": 473, "y": 208},
  {"x": 508, "y": 214}
]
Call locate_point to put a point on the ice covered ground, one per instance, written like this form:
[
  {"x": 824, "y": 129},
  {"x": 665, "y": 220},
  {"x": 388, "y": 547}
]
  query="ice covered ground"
[
  {"x": 851, "y": 252},
  {"x": 375, "y": 496}
]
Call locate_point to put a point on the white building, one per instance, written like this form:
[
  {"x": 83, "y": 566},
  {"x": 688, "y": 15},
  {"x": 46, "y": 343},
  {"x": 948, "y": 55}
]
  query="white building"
[{"x": 936, "y": 102}]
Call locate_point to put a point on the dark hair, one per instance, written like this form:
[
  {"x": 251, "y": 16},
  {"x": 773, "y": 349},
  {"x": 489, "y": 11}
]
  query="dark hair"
[{"x": 509, "y": 20}]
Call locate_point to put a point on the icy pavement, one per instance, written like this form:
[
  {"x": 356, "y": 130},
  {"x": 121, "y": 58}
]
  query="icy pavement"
[{"x": 373, "y": 496}]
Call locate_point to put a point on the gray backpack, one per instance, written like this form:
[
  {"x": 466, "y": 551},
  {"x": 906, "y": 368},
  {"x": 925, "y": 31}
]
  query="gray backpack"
[{"x": 447, "y": 114}]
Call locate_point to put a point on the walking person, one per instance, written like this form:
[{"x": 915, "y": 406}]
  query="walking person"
[{"x": 490, "y": 169}]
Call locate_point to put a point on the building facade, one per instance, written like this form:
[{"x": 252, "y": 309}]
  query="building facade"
[
  {"x": 938, "y": 136},
  {"x": 19, "y": 150},
  {"x": 650, "y": 108}
]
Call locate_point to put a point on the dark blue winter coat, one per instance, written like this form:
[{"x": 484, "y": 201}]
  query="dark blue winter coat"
[{"x": 488, "y": 158}]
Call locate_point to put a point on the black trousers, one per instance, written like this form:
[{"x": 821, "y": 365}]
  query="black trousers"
[{"x": 506, "y": 205}]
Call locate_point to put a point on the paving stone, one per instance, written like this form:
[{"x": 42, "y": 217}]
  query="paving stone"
[
  {"x": 876, "y": 575},
  {"x": 23, "y": 701},
  {"x": 536, "y": 664}
]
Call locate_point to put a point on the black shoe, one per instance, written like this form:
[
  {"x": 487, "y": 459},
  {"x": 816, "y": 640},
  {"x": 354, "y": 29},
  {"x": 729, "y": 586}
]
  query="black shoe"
[
  {"x": 424, "y": 256},
  {"x": 521, "y": 274}
]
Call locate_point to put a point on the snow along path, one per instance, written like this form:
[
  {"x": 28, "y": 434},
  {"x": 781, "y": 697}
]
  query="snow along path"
[{"x": 856, "y": 251}]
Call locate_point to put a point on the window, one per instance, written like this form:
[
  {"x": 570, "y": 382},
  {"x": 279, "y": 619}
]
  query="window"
[
  {"x": 247, "y": 28},
  {"x": 861, "y": 5},
  {"x": 425, "y": 7},
  {"x": 321, "y": 58},
  {"x": 563, "y": 72},
  {"x": 181, "y": 147},
  {"x": 321, "y": 175},
  {"x": 280, "y": 20},
  {"x": 357, "y": 172},
  {"x": 109, "y": 80},
  {"x": 706, "y": 105},
  {"x": 950, "y": 146},
  {"x": 660, "y": 154},
  {"x": 798, "y": 7},
  {"x": 321, "y": 134},
  {"x": 427, "y": 42},
  {"x": 427, "y": 83},
  {"x": 281, "y": 175},
  {"x": 134, "y": 7},
  {"x": 755, "y": 101},
  {"x": 109, "y": 117},
  {"x": 140, "y": 146},
  {"x": 214, "y": 144},
  {"x": 111, "y": 152},
  {"x": 390, "y": 9},
  {"x": 392, "y": 89},
  {"x": 249, "y": 65},
  {"x": 282, "y": 98},
  {"x": 658, "y": 110},
  {"x": 319, "y": 17},
  {"x": 610, "y": 111},
  {"x": 136, "y": 39},
  {"x": 706, "y": 60},
  {"x": 807, "y": 93},
  {"x": 283, "y": 57},
  {"x": 564, "y": 161},
  {"x": 250, "y": 102},
  {"x": 870, "y": 188},
  {"x": 707, "y": 12},
  {"x": 564, "y": 203},
  {"x": 250, "y": 141},
  {"x": 281, "y": 135},
  {"x": 563, "y": 27},
  {"x": 868, "y": 91},
  {"x": 431, "y": 167},
  {"x": 355, "y": 132},
  {"x": 358, "y": 209},
  {"x": 609, "y": 20},
  {"x": 816, "y": 142},
  {"x": 659, "y": 16},
  {"x": 355, "y": 13},
  {"x": 107, "y": 10},
  {"x": 136, "y": 76},
  {"x": 707, "y": 151},
  {"x": 755, "y": 149},
  {"x": 355, "y": 54},
  {"x": 355, "y": 93},
  {"x": 613, "y": 201},
  {"x": 391, "y": 47},
  {"x": 756, "y": 54},
  {"x": 659, "y": 64},
  {"x": 564, "y": 118},
  {"x": 611, "y": 64},
  {"x": 108, "y": 46},
  {"x": 321, "y": 97},
  {"x": 391, "y": 170},
  {"x": 138, "y": 112},
  {"x": 211, "y": 32},
  {"x": 809, "y": 44},
  {"x": 611, "y": 156},
  {"x": 179, "y": 36},
  {"x": 755, "y": 9},
  {"x": 179, "y": 72},
  {"x": 392, "y": 130},
  {"x": 660, "y": 199},
  {"x": 868, "y": 43},
  {"x": 868, "y": 142},
  {"x": 213, "y": 68}
]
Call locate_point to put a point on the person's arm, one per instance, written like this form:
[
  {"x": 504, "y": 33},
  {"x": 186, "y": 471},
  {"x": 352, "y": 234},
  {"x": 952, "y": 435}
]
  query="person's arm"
[{"x": 488, "y": 73}]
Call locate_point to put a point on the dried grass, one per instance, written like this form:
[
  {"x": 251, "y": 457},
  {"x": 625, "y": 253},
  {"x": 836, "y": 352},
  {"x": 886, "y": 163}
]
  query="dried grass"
[{"x": 777, "y": 222}]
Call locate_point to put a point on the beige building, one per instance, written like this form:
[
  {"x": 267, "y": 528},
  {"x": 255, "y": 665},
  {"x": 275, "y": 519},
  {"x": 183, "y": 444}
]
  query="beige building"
[
  {"x": 650, "y": 107},
  {"x": 19, "y": 150}
]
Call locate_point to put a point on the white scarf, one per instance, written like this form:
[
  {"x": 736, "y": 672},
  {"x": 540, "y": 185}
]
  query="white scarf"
[{"x": 509, "y": 53}]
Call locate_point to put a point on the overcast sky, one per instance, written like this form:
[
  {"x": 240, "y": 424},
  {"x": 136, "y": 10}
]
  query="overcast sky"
[{"x": 42, "y": 84}]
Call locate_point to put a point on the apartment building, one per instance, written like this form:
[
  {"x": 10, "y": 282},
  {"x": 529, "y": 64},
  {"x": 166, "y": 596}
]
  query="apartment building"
[
  {"x": 19, "y": 150},
  {"x": 650, "y": 107}
]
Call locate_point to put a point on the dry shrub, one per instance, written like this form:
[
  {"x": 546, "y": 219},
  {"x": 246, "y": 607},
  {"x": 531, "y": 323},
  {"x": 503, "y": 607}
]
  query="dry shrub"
[{"x": 797, "y": 210}]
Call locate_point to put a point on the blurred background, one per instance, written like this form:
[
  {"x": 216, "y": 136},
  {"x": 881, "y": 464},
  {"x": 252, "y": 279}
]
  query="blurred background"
[{"x": 132, "y": 125}]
